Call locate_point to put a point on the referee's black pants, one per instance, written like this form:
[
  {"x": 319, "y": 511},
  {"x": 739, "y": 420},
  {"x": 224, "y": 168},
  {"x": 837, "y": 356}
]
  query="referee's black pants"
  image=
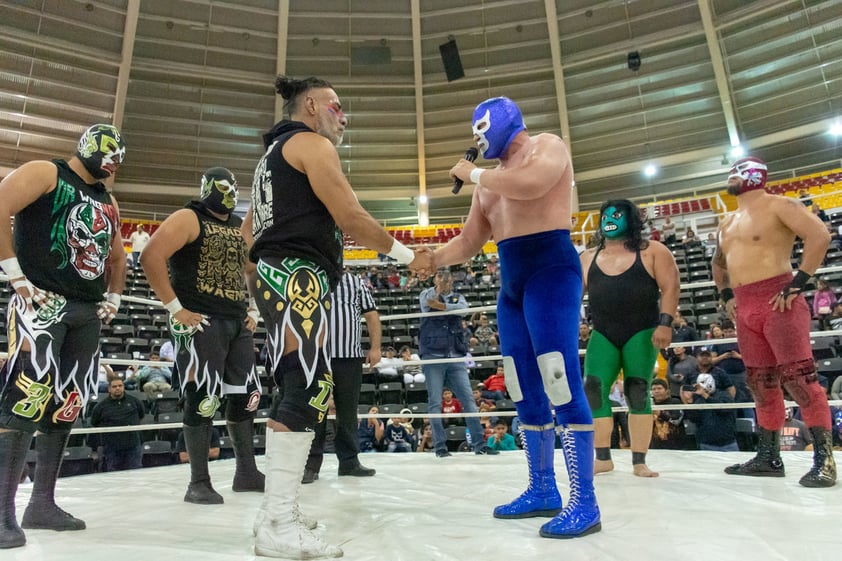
[{"x": 347, "y": 377}]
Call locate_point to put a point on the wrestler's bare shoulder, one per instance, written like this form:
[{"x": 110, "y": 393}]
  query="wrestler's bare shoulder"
[
  {"x": 657, "y": 248},
  {"x": 781, "y": 204}
]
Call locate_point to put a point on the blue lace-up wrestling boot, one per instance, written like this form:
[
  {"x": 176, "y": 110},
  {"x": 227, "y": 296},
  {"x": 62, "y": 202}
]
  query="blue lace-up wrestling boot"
[
  {"x": 541, "y": 498},
  {"x": 581, "y": 515}
]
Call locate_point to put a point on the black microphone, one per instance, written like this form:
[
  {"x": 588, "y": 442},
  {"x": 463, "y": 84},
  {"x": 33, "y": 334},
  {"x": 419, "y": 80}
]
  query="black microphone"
[{"x": 470, "y": 155}]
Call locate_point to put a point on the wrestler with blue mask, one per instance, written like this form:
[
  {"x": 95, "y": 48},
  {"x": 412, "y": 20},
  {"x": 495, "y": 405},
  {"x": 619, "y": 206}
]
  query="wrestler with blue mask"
[{"x": 524, "y": 204}]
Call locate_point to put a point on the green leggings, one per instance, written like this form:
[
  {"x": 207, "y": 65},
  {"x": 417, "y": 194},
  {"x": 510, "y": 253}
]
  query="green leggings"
[{"x": 603, "y": 362}]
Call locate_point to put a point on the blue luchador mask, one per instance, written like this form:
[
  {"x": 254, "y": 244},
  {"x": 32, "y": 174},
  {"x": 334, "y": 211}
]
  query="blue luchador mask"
[{"x": 496, "y": 122}]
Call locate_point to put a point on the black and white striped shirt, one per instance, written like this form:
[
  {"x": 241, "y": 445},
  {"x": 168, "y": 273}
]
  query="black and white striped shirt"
[{"x": 349, "y": 301}]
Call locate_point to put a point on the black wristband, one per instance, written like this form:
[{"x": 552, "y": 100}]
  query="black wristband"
[
  {"x": 726, "y": 294},
  {"x": 665, "y": 320},
  {"x": 799, "y": 281},
  {"x": 797, "y": 285}
]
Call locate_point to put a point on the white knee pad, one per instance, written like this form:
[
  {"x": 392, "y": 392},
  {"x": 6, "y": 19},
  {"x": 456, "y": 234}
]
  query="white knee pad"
[
  {"x": 512, "y": 382},
  {"x": 551, "y": 366}
]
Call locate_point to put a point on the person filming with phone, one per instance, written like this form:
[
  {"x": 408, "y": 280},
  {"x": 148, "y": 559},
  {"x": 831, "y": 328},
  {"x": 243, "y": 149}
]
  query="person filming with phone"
[{"x": 716, "y": 429}]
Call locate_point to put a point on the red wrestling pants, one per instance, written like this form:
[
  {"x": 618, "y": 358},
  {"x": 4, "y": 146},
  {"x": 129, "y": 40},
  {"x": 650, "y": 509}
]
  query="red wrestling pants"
[{"x": 776, "y": 349}]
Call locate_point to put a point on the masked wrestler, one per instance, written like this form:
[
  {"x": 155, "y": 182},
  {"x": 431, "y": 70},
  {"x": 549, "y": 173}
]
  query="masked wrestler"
[
  {"x": 66, "y": 253},
  {"x": 524, "y": 205},
  {"x": 754, "y": 276},
  {"x": 625, "y": 277},
  {"x": 212, "y": 321}
]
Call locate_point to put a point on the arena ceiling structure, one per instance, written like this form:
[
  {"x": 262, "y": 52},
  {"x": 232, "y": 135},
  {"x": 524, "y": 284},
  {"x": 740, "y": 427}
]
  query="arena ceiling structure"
[{"x": 675, "y": 84}]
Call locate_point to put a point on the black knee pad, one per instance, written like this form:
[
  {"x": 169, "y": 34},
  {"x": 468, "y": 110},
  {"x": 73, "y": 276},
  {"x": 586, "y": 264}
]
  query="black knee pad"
[
  {"x": 798, "y": 378},
  {"x": 199, "y": 407},
  {"x": 237, "y": 408},
  {"x": 637, "y": 394},
  {"x": 593, "y": 391}
]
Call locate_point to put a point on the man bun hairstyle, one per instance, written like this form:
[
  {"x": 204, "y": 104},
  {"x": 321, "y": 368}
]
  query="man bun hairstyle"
[{"x": 291, "y": 89}]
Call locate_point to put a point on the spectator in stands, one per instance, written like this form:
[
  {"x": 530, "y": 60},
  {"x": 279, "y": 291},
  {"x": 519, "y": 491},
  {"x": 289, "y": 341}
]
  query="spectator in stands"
[
  {"x": 654, "y": 233},
  {"x": 412, "y": 373},
  {"x": 486, "y": 421},
  {"x": 683, "y": 332},
  {"x": 680, "y": 366},
  {"x": 668, "y": 428},
  {"x": 709, "y": 245},
  {"x": 823, "y": 302},
  {"x": 795, "y": 436},
  {"x": 805, "y": 197},
  {"x": 411, "y": 281},
  {"x": 669, "y": 231},
  {"x": 154, "y": 378},
  {"x": 716, "y": 429},
  {"x": 138, "y": 239},
  {"x": 397, "y": 436},
  {"x": 484, "y": 334},
  {"x": 213, "y": 447},
  {"x": 121, "y": 450},
  {"x": 501, "y": 439},
  {"x": 705, "y": 366},
  {"x": 387, "y": 368},
  {"x": 393, "y": 279},
  {"x": 727, "y": 356},
  {"x": 442, "y": 336},
  {"x": 690, "y": 239},
  {"x": 494, "y": 387},
  {"x": 620, "y": 435},
  {"x": 584, "y": 335},
  {"x": 492, "y": 267},
  {"x": 425, "y": 440},
  {"x": 449, "y": 404},
  {"x": 370, "y": 431},
  {"x": 470, "y": 276},
  {"x": 820, "y": 214},
  {"x": 479, "y": 400}
]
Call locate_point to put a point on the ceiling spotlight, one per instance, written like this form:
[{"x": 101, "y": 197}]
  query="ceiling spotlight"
[
  {"x": 737, "y": 151},
  {"x": 836, "y": 128},
  {"x": 422, "y": 199},
  {"x": 650, "y": 170}
]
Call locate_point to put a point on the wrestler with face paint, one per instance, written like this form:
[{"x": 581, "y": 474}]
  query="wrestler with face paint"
[
  {"x": 753, "y": 272},
  {"x": 632, "y": 287}
]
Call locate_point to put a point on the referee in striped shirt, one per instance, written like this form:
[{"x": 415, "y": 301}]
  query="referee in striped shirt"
[{"x": 350, "y": 301}]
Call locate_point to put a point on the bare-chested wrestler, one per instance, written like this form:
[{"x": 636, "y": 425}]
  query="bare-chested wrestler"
[
  {"x": 524, "y": 205},
  {"x": 753, "y": 273}
]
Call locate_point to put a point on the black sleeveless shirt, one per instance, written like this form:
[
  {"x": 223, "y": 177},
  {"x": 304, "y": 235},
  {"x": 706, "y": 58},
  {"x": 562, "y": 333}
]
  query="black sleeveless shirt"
[
  {"x": 207, "y": 274},
  {"x": 289, "y": 220},
  {"x": 625, "y": 304},
  {"x": 63, "y": 239}
]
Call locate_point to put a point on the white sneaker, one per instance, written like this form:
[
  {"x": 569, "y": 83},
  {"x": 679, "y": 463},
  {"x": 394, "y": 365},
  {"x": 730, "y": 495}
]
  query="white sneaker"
[
  {"x": 307, "y": 521},
  {"x": 291, "y": 541}
]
